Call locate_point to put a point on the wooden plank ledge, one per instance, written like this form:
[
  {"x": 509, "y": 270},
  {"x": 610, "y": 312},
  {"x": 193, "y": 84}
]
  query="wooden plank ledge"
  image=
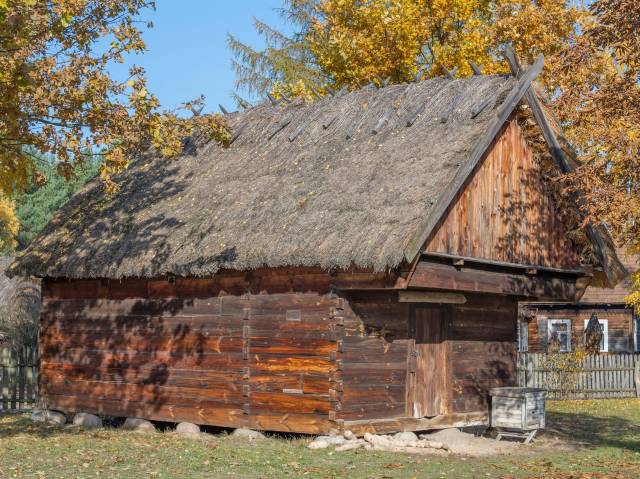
[{"x": 387, "y": 426}]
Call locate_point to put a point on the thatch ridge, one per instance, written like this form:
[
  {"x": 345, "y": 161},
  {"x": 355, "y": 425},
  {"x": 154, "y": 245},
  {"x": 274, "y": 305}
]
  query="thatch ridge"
[{"x": 339, "y": 183}]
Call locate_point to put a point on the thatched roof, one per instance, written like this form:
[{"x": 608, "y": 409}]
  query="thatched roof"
[
  {"x": 18, "y": 296},
  {"x": 339, "y": 183}
]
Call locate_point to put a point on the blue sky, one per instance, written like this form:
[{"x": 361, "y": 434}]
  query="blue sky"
[{"x": 188, "y": 53}]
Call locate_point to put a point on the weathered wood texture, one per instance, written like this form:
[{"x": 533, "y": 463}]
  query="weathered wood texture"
[
  {"x": 429, "y": 325},
  {"x": 373, "y": 357},
  {"x": 600, "y": 376},
  {"x": 482, "y": 338},
  {"x": 440, "y": 274},
  {"x": 237, "y": 351},
  {"x": 18, "y": 378},
  {"x": 619, "y": 323},
  {"x": 505, "y": 212}
]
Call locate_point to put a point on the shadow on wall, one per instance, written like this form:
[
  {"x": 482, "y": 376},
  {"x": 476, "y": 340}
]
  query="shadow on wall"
[
  {"x": 137, "y": 355},
  {"x": 129, "y": 233}
]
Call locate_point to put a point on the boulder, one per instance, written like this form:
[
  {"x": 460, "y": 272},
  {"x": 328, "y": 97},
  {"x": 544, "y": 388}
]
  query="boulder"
[
  {"x": 406, "y": 436},
  {"x": 85, "y": 419},
  {"x": 318, "y": 444},
  {"x": 188, "y": 429},
  {"x": 349, "y": 435},
  {"x": 48, "y": 417},
  {"x": 249, "y": 434},
  {"x": 136, "y": 424},
  {"x": 351, "y": 445}
]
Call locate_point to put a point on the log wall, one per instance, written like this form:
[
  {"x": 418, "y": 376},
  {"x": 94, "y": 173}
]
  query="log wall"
[
  {"x": 373, "y": 357},
  {"x": 482, "y": 336},
  {"x": 620, "y": 325},
  {"x": 235, "y": 351},
  {"x": 272, "y": 350}
]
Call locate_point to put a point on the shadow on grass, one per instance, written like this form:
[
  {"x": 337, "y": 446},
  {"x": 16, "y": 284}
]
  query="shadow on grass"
[
  {"x": 596, "y": 431},
  {"x": 16, "y": 424}
]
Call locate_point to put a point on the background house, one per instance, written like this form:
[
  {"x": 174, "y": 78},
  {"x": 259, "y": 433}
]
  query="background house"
[{"x": 541, "y": 323}]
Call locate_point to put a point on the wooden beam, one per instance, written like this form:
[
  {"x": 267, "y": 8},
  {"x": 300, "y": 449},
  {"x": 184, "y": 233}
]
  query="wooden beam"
[
  {"x": 441, "y": 297},
  {"x": 369, "y": 281},
  {"x": 476, "y": 69},
  {"x": 386, "y": 426},
  {"x": 480, "y": 108},
  {"x": 484, "y": 142},
  {"x": 461, "y": 260},
  {"x": 473, "y": 280}
]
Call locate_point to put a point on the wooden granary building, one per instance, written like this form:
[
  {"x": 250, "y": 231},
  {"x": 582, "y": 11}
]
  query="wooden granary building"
[{"x": 352, "y": 263}]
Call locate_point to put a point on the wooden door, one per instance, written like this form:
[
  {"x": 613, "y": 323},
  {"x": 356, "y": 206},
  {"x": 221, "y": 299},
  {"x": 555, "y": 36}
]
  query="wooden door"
[{"x": 428, "y": 327}]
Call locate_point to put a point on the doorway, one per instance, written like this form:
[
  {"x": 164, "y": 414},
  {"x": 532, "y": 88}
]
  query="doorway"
[{"x": 428, "y": 325}]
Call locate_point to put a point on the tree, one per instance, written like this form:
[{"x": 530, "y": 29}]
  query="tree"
[
  {"x": 599, "y": 104},
  {"x": 354, "y": 43},
  {"x": 47, "y": 193},
  {"x": 57, "y": 97},
  {"x": 8, "y": 225}
]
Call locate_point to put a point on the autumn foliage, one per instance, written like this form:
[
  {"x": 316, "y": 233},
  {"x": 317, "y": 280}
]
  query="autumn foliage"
[
  {"x": 591, "y": 76},
  {"x": 58, "y": 98}
]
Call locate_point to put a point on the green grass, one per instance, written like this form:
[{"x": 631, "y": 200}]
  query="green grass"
[{"x": 608, "y": 432}]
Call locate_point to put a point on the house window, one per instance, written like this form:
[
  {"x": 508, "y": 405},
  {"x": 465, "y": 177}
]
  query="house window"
[
  {"x": 523, "y": 336},
  {"x": 559, "y": 333},
  {"x": 604, "y": 341},
  {"x": 636, "y": 334}
]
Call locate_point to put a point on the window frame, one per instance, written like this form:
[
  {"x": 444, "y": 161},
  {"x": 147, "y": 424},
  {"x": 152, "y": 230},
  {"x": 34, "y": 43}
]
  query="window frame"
[
  {"x": 523, "y": 339},
  {"x": 552, "y": 321},
  {"x": 605, "y": 334}
]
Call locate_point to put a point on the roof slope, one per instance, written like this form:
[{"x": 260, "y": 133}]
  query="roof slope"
[
  {"x": 338, "y": 183},
  {"x": 18, "y": 296},
  {"x": 594, "y": 294}
]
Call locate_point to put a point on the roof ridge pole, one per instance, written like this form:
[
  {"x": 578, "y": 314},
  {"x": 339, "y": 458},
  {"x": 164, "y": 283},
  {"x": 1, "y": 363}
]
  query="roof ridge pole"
[
  {"x": 484, "y": 142},
  {"x": 558, "y": 155},
  {"x": 451, "y": 74},
  {"x": 477, "y": 71}
]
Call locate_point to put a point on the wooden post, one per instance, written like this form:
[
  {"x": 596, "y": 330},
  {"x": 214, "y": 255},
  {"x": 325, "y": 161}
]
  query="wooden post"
[
  {"x": 4, "y": 386},
  {"x": 636, "y": 375}
]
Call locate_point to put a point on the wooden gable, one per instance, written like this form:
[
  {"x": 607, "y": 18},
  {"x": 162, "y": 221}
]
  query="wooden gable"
[{"x": 505, "y": 212}]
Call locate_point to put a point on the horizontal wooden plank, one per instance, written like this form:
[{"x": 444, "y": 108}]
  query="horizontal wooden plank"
[
  {"x": 218, "y": 415},
  {"x": 379, "y": 377},
  {"x": 307, "y": 383},
  {"x": 294, "y": 403},
  {"x": 53, "y": 344},
  {"x": 436, "y": 275},
  {"x": 290, "y": 422},
  {"x": 386, "y": 426},
  {"x": 136, "y": 359},
  {"x": 274, "y": 364},
  {"x": 371, "y": 411},
  {"x": 366, "y": 394},
  {"x": 291, "y": 346},
  {"x": 152, "y": 375},
  {"x": 440, "y": 297},
  {"x": 153, "y": 394}
]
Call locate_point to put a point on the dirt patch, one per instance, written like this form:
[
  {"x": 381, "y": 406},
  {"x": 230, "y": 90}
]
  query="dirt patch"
[{"x": 467, "y": 444}]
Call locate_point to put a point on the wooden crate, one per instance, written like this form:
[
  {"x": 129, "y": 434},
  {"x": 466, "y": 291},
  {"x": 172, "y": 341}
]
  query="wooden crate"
[{"x": 519, "y": 409}]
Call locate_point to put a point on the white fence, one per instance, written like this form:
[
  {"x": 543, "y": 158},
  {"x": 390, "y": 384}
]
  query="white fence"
[{"x": 599, "y": 376}]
